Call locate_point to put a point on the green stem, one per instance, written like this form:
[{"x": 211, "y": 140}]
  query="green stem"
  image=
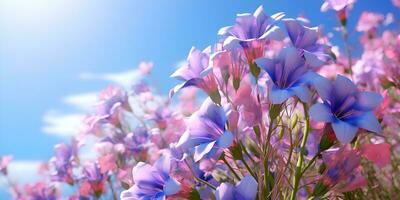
[
  {"x": 298, "y": 173},
  {"x": 310, "y": 163},
  {"x": 230, "y": 168}
]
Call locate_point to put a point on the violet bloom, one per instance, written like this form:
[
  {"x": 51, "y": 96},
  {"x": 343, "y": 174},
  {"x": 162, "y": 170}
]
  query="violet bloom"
[
  {"x": 251, "y": 32},
  {"x": 111, "y": 101},
  {"x": 137, "y": 140},
  {"x": 63, "y": 161},
  {"x": 337, "y": 5},
  {"x": 305, "y": 39},
  {"x": 246, "y": 189},
  {"x": 346, "y": 108},
  {"x": 289, "y": 76},
  {"x": 196, "y": 72},
  {"x": 206, "y": 131},
  {"x": 152, "y": 182}
]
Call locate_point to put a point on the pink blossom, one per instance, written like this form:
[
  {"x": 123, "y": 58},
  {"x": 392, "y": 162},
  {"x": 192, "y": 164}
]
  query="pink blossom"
[
  {"x": 369, "y": 21},
  {"x": 377, "y": 153}
]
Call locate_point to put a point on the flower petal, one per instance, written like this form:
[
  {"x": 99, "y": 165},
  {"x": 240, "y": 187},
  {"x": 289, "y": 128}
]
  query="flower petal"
[
  {"x": 321, "y": 112},
  {"x": 247, "y": 188},
  {"x": 369, "y": 122},
  {"x": 203, "y": 149},
  {"x": 225, "y": 140},
  {"x": 171, "y": 187},
  {"x": 344, "y": 131},
  {"x": 278, "y": 96},
  {"x": 225, "y": 191},
  {"x": 368, "y": 100},
  {"x": 302, "y": 92}
]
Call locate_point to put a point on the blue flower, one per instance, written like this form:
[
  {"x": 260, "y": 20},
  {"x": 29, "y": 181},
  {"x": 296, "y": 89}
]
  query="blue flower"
[
  {"x": 289, "y": 76},
  {"x": 347, "y": 108},
  {"x": 206, "y": 131},
  {"x": 251, "y": 31},
  {"x": 246, "y": 189},
  {"x": 305, "y": 40},
  {"x": 152, "y": 182}
]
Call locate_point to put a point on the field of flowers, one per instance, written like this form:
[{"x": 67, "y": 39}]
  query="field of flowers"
[{"x": 284, "y": 114}]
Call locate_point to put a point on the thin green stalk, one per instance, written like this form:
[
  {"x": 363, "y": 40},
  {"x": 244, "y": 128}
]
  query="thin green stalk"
[
  {"x": 298, "y": 173},
  {"x": 230, "y": 168},
  {"x": 248, "y": 168},
  {"x": 310, "y": 163}
]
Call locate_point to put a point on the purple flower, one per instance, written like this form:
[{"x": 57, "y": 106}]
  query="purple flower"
[
  {"x": 251, "y": 31},
  {"x": 336, "y": 5},
  {"x": 152, "y": 182},
  {"x": 92, "y": 173},
  {"x": 111, "y": 101},
  {"x": 63, "y": 162},
  {"x": 346, "y": 108},
  {"x": 246, "y": 189},
  {"x": 206, "y": 131},
  {"x": 196, "y": 72},
  {"x": 305, "y": 40},
  {"x": 137, "y": 140},
  {"x": 289, "y": 76}
]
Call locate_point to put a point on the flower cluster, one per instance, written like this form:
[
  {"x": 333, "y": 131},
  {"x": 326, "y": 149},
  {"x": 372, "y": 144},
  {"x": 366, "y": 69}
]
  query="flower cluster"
[{"x": 284, "y": 115}]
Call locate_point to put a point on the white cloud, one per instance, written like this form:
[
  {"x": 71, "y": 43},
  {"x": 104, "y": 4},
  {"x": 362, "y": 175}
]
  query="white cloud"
[
  {"x": 61, "y": 124},
  {"x": 69, "y": 124},
  {"x": 84, "y": 101},
  {"x": 125, "y": 79},
  {"x": 22, "y": 172}
]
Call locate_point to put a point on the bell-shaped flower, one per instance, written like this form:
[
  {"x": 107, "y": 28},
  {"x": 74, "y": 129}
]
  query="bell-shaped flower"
[
  {"x": 251, "y": 31},
  {"x": 289, "y": 76},
  {"x": 246, "y": 189},
  {"x": 206, "y": 131},
  {"x": 152, "y": 181},
  {"x": 231, "y": 63},
  {"x": 196, "y": 72},
  {"x": 347, "y": 108},
  {"x": 305, "y": 39}
]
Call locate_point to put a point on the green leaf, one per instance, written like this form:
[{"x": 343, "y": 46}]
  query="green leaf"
[
  {"x": 194, "y": 195},
  {"x": 236, "y": 151},
  {"x": 254, "y": 69}
]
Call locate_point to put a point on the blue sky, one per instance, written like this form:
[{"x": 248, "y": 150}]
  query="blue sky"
[{"x": 46, "y": 45}]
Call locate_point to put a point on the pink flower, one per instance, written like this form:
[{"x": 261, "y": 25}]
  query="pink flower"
[
  {"x": 377, "y": 153},
  {"x": 107, "y": 163},
  {"x": 145, "y": 67},
  {"x": 336, "y": 5},
  {"x": 343, "y": 169},
  {"x": 4, "y": 161},
  {"x": 369, "y": 21},
  {"x": 396, "y": 3}
]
